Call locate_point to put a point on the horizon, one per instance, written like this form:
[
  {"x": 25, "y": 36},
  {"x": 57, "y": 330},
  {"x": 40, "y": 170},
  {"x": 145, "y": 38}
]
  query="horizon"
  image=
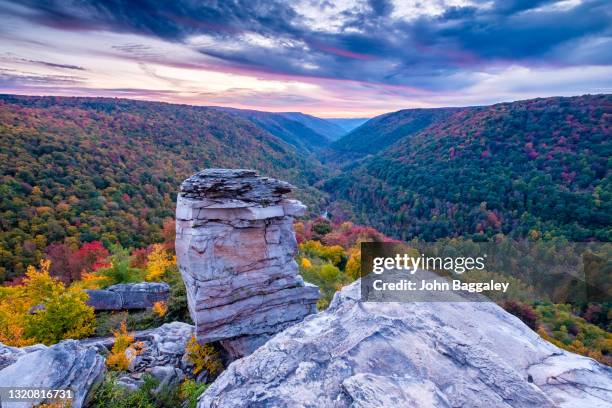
[
  {"x": 304, "y": 113},
  {"x": 343, "y": 60}
]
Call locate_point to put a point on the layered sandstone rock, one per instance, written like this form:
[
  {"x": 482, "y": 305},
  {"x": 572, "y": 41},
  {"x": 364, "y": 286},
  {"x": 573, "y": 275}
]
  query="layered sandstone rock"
[{"x": 235, "y": 247}]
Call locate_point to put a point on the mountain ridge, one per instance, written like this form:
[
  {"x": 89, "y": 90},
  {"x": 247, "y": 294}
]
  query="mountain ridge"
[
  {"x": 384, "y": 130},
  {"x": 104, "y": 168},
  {"x": 83, "y": 169},
  {"x": 528, "y": 167}
]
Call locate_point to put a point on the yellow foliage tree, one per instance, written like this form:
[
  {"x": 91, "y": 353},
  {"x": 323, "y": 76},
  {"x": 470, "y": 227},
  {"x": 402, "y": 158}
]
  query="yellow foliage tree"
[
  {"x": 158, "y": 262},
  {"x": 43, "y": 310},
  {"x": 332, "y": 253},
  {"x": 11, "y": 326},
  {"x": 91, "y": 280}
]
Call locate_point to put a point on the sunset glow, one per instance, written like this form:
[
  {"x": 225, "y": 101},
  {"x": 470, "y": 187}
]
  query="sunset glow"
[{"x": 350, "y": 59}]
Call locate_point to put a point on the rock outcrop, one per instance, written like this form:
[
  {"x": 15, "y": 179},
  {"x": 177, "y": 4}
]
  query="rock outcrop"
[
  {"x": 61, "y": 366},
  {"x": 162, "y": 356},
  {"x": 128, "y": 296},
  {"x": 235, "y": 247},
  {"x": 418, "y": 354},
  {"x": 163, "y": 349},
  {"x": 79, "y": 364}
]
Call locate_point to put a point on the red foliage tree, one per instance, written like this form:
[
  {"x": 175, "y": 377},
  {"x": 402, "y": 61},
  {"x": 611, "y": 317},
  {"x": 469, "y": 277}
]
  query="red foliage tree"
[{"x": 68, "y": 264}]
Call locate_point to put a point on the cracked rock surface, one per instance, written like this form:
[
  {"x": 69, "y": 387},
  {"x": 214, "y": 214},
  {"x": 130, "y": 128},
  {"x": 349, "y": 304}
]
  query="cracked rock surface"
[
  {"x": 235, "y": 248},
  {"x": 416, "y": 354}
]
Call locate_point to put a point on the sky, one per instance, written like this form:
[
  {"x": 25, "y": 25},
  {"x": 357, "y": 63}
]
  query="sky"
[{"x": 326, "y": 58}]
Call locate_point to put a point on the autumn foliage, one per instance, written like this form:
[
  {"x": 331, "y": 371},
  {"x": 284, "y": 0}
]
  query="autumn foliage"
[
  {"x": 124, "y": 349},
  {"x": 159, "y": 260},
  {"x": 203, "y": 357},
  {"x": 77, "y": 170},
  {"x": 330, "y": 253},
  {"x": 43, "y": 310}
]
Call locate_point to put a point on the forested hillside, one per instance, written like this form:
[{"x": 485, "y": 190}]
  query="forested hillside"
[
  {"x": 82, "y": 169},
  {"x": 537, "y": 167},
  {"x": 77, "y": 170},
  {"x": 302, "y": 131},
  {"x": 384, "y": 130}
]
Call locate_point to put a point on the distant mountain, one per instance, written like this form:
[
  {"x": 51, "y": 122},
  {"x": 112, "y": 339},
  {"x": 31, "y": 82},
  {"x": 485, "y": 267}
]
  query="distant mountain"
[
  {"x": 384, "y": 130},
  {"x": 301, "y": 130},
  {"x": 83, "y": 169},
  {"x": 325, "y": 127},
  {"x": 347, "y": 124},
  {"x": 534, "y": 168}
]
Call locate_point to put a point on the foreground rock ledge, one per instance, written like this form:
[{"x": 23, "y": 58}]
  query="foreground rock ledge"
[
  {"x": 66, "y": 365},
  {"x": 235, "y": 247},
  {"x": 436, "y": 354}
]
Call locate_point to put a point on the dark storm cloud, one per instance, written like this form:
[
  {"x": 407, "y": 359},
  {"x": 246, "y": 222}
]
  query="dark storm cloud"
[{"x": 369, "y": 44}]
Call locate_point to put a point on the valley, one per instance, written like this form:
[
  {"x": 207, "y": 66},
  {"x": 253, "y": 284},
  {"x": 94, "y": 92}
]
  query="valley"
[{"x": 85, "y": 169}]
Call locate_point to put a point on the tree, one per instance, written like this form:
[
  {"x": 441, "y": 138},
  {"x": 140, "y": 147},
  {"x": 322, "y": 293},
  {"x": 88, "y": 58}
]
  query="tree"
[
  {"x": 42, "y": 309},
  {"x": 66, "y": 316},
  {"x": 158, "y": 263}
]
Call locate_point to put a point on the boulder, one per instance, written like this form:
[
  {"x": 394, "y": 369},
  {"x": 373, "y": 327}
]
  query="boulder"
[
  {"x": 163, "y": 345},
  {"x": 8, "y": 355},
  {"x": 235, "y": 248},
  {"x": 128, "y": 296},
  {"x": 414, "y": 354},
  {"x": 66, "y": 365}
]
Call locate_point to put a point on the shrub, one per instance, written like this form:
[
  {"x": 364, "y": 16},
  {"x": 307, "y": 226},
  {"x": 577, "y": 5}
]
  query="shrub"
[
  {"x": 327, "y": 277},
  {"x": 190, "y": 391},
  {"x": 66, "y": 316},
  {"x": 120, "y": 270},
  {"x": 523, "y": 312},
  {"x": 333, "y": 254},
  {"x": 203, "y": 357},
  {"x": 91, "y": 280},
  {"x": 559, "y": 326},
  {"x": 353, "y": 265},
  {"x": 160, "y": 308},
  {"x": 110, "y": 395},
  {"x": 322, "y": 227},
  {"x": 124, "y": 350},
  {"x": 306, "y": 264}
]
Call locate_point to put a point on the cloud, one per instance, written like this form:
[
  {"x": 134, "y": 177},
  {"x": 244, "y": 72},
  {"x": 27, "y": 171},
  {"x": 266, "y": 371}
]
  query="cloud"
[
  {"x": 399, "y": 42},
  {"x": 9, "y": 57},
  {"x": 358, "y": 57},
  {"x": 54, "y": 65}
]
